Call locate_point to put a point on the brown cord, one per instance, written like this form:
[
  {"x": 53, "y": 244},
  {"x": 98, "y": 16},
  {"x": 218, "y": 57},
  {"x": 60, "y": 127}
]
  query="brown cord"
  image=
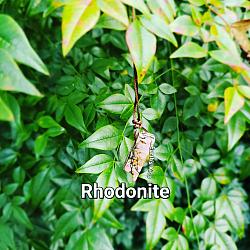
[{"x": 136, "y": 120}]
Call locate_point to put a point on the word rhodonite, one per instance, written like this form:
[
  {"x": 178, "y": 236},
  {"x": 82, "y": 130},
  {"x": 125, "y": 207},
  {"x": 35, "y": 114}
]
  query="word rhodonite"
[{"x": 122, "y": 192}]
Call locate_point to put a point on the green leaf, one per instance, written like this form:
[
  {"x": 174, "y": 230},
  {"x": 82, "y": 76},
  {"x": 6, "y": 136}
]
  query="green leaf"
[
  {"x": 208, "y": 188},
  {"x": 12, "y": 79},
  {"x": 164, "y": 152},
  {"x": 150, "y": 114},
  {"x": 106, "y": 179},
  {"x": 222, "y": 176},
  {"x": 115, "y": 103},
  {"x": 144, "y": 205},
  {"x": 115, "y": 9},
  {"x": 214, "y": 237},
  {"x": 228, "y": 208},
  {"x": 96, "y": 164},
  {"x": 138, "y": 4},
  {"x": 74, "y": 117},
  {"x": 233, "y": 102},
  {"x": 180, "y": 243},
  {"x": 14, "y": 41},
  {"x": 7, "y": 237},
  {"x": 66, "y": 224},
  {"x": 189, "y": 49},
  {"x": 142, "y": 47},
  {"x": 167, "y": 89},
  {"x": 244, "y": 90},
  {"x": 77, "y": 19},
  {"x": 40, "y": 144},
  {"x": 155, "y": 225},
  {"x": 108, "y": 22},
  {"x": 125, "y": 148},
  {"x": 157, "y": 26},
  {"x": 184, "y": 25},
  {"x": 165, "y": 9},
  {"x": 169, "y": 234},
  {"x": 105, "y": 138},
  {"x": 21, "y": 217},
  {"x": 5, "y": 112},
  {"x": 235, "y": 128},
  {"x": 47, "y": 122},
  {"x": 39, "y": 187}
]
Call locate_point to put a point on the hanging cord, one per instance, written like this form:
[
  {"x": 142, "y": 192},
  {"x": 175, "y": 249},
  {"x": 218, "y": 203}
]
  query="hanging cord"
[{"x": 136, "y": 120}]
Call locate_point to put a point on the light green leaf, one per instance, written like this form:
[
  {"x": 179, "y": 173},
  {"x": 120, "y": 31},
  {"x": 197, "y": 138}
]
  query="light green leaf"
[
  {"x": 144, "y": 205},
  {"x": 14, "y": 41},
  {"x": 231, "y": 210},
  {"x": 115, "y": 103},
  {"x": 184, "y": 25},
  {"x": 5, "y": 112},
  {"x": 125, "y": 147},
  {"x": 74, "y": 117},
  {"x": 155, "y": 225},
  {"x": 208, "y": 188},
  {"x": 142, "y": 47},
  {"x": 106, "y": 179},
  {"x": 77, "y": 19},
  {"x": 115, "y": 9},
  {"x": 157, "y": 26},
  {"x": 169, "y": 234},
  {"x": 138, "y": 4},
  {"x": 47, "y": 122},
  {"x": 233, "y": 102},
  {"x": 107, "y": 22},
  {"x": 164, "y": 152},
  {"x": 190, "y": 49},
  {"x": 66, "y": 224},
  {"x": 96, "y": 164},
  {"x": 105, "y": 138},
  {"x": 244, "y": 90},
  {"x": 167, "y": 89},
  {"x": 164, "y": 9},
  {"x": 180, "y": 243},
  {"x": 150, "y": 114},
  {"x": 235, "y": 128},
  {"x": 11, "y": 77},
  {"x": 214, "y": 237}
]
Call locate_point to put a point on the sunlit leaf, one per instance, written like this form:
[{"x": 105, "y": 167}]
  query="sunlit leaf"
[
  {"x": 190, "y": 49},
  {"x": 142, "y": 46},
  {"x": 77, "y": 19}
]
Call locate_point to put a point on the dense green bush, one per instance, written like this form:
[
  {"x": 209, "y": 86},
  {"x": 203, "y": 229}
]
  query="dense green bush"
[{"x": 70, "y": 122}]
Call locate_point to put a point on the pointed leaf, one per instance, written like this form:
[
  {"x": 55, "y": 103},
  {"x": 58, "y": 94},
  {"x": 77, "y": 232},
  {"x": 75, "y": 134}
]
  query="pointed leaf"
[
  {"x": 96, "y": 164},
  {"x": 14, "y": 41},
  {"x": 5, "y": 112},
  {"x": 77, "y": 19},
  {"x": 155, "y": 225},
  {"x": 11, "y": 77},
  {"x": 233, "y": 102},
  {"x": 115, "y": 9},
  {"x": 184, "y": 25},
  {"x": 105, "y": 138},
  {"x": 157, "y": 26},
  {"x": 190, "y": 49},
  {"x": 235, "y": 128},
  {"x": 142, "y": 46},
  {"x": 138, "y": 4},
  {"x": 106, "y": 179}
]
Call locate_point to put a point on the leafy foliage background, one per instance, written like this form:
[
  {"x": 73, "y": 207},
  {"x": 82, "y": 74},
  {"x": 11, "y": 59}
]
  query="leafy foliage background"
[{"x": 203, "y": 159}]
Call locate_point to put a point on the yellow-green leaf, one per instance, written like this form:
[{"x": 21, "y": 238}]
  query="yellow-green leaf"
[
  {"x": 115, "y": 9},
  {"x": 142, "y": 47},
  {"x": 138, "y": 4},
  {"x": 156, "y": 25},
  {"x": 244, "y": 90},
  {"x": 77, "y": 19},
  {"x": 233, "y": 102},
  {"x": 5, "y": 112},
  {"x": 190, "y": 49},
  {"x": 12, "y": 78}
]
